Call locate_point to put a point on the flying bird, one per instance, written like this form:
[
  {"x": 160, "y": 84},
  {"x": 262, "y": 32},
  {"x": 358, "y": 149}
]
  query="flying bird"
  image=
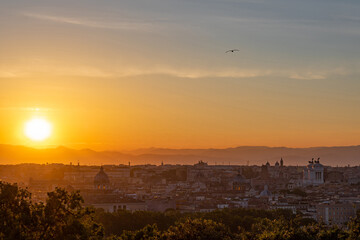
[{"x": 232, "y": 50}]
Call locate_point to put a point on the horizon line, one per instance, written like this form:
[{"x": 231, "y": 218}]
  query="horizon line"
[{"x": 172, "y": 148}]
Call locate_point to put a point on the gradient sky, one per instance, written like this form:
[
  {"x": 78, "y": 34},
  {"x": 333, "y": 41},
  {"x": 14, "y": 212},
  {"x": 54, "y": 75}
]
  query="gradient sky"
[{"x": 153, "y": 73}]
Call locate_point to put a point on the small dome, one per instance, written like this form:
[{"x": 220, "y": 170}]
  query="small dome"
[
  {"x": 239, "y": 179},
  {"x": 265, "y": 192},
  {"x": 277, "y": 163},
  {"x": 101, "y": 177}
]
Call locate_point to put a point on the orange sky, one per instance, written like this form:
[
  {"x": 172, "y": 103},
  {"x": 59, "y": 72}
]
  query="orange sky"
[
  {"x": 125, "y": 75},
  {"x": 161, "y": 113}
]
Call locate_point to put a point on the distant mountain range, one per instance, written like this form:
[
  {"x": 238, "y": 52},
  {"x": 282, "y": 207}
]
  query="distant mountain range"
[{"x": 257, "y": 155}]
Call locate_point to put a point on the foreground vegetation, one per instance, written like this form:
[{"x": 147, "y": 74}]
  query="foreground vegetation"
[
  {"x": 238, "y": 224},
  {"x": 62, "y": 216}
]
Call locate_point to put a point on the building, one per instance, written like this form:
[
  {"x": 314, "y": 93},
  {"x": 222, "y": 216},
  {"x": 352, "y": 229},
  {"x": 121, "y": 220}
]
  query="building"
[
  {"x": 240, "y": 184},
  {"x": 101, "y": 180},
  {"x": 160, "y": 205},
  {"x": 336, "y": 213},
  {"x": 82, "y": 177},
  {"x": 265, "y": 193},
  {"x": 200, "y": 172},
  {"x": 313, "y": 173},
  {"x": 335, "y": 177},
  {"x": 121, "y": 204}
]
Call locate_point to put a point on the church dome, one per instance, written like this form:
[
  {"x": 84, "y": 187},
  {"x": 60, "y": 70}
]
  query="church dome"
[
  {"x": 101, "y": 178},
  {"x": 265, "y": 192},
  {"x": 239, "y": 179}
]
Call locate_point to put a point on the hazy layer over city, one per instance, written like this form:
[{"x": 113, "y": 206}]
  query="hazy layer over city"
[{"x": 332, "y": 156}]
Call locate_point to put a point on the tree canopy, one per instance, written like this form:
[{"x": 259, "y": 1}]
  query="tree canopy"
[{"x": 60, "y": 217}]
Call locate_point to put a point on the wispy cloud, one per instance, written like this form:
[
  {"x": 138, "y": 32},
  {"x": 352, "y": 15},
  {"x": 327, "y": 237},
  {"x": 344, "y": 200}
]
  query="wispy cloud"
[
  {"x": 194, "y": 73},
  {"x": 7, "y": 74},
  {"x": 83, "y": 71},
  {"x": 123, "y": 24},
  {"x": 27, "y": 109},
  {"x": 43, "y": 67},
  {"x": 54, "y": 70},
  {"x": 307, "y": 76},
  {"x": 87, "y": 71},
  {"x": 266, "y": 21},
  {"x": 333, "y": 25}
]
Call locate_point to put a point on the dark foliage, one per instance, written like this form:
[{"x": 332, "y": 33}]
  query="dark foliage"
[
  {"x": 116, "y": 223},
  {"x": 61, "y": 217}
]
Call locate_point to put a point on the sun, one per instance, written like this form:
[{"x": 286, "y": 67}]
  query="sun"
[{"x": 38, "y": 129}]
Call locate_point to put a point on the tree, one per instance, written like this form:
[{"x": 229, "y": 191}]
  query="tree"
[
  {"x": 65, "y": 218},
  {"x": 61, "y": 217},
  {"x": 17, "y": 215},
  {"x": 268, "y": 229},
  {"x": 354, "y": 228},
  {"x": 281, "y": 229},
  {"x": 199, "y": 229},
  {"x": 150, "y": 232}
]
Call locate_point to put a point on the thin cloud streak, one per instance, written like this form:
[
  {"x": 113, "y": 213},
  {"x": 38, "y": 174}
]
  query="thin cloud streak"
[
  {"x": 27, "y": 109},
  {"x": 134, "y": 72},
  {"x": 307, "y": 76},
  {"x": 120, "y": 25},
  {"x": 92, "y": 72},
  {"x": 43, "y": 68},
  {"x": 299, "y": 24}
]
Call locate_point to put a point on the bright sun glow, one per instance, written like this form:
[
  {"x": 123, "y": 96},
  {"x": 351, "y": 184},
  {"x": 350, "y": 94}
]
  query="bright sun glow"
[{"x": 38, "y": 129}]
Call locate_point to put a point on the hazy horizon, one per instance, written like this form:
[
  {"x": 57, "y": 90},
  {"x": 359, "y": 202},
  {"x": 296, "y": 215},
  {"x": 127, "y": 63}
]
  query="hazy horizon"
[
  {"x": 241, "y": 155},
  {"x": 172, "y": 148}
]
